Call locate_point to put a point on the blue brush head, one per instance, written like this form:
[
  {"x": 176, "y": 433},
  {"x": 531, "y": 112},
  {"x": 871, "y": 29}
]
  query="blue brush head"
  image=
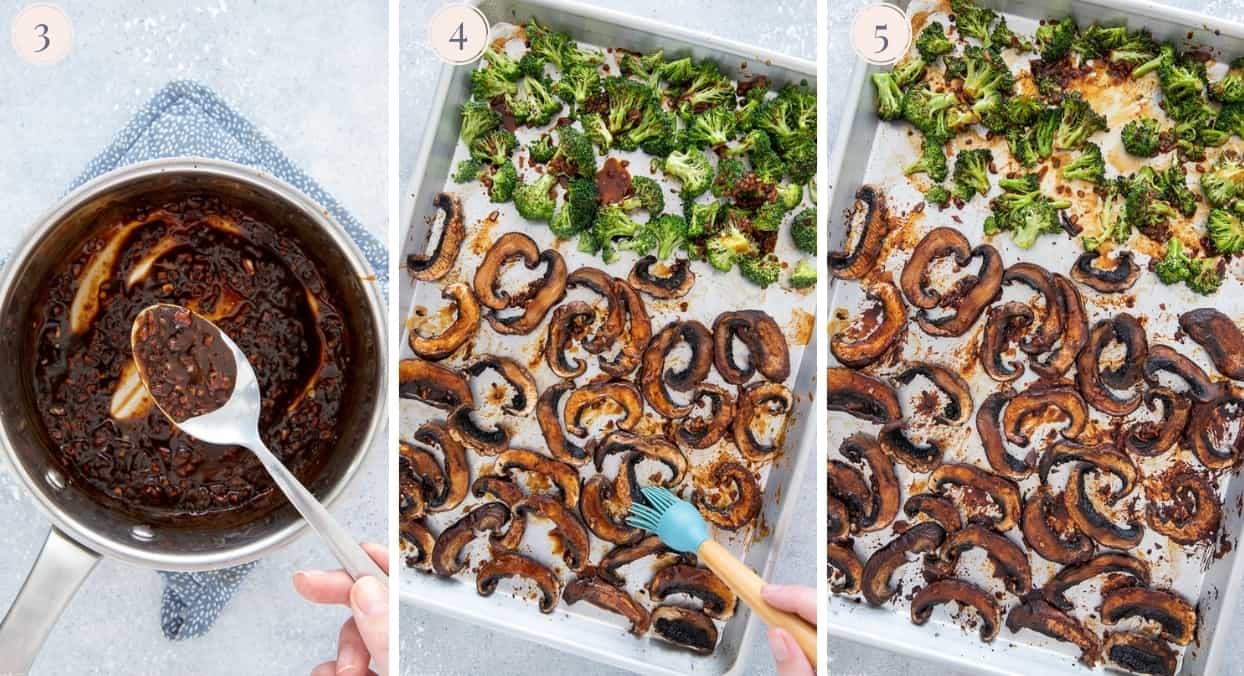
[{"x": 677, "y": 522}]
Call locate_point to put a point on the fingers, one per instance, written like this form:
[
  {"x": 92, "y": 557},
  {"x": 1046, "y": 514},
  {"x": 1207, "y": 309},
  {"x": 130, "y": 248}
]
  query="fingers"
[
  {"x": 798, "y": 600},
  {"x": 352, "y": 655},
  {"x": 333, "y": 586},
  {"x": 330, "y": 669},
  {"x": 369, "y": 600},
  {"x": 787, "y": 656}
]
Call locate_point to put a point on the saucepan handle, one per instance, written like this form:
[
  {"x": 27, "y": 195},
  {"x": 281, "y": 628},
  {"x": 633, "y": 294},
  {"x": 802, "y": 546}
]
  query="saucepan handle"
[{"x": 56, "y": 575}]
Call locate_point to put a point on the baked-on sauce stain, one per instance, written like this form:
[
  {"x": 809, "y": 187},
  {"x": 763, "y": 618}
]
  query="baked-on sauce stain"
[
  {"x": 256, "y": 285},
  {"x": 187, "y": 368}
]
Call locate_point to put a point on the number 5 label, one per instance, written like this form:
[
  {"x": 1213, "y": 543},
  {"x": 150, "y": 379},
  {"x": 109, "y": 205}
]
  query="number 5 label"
[
  {"x": 881, "y": 33},
  {"x": 42, "y": 34},
  {"x": 458, "y": 33}
]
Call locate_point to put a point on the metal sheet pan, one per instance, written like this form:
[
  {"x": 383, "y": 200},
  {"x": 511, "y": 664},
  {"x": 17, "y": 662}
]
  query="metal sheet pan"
[
  {"x": 868, "y": 151},
  {"x": 580, "y": 629}
]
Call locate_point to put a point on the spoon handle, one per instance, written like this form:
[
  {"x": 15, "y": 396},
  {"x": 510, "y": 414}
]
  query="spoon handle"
[{"x": 352, "y": 556}]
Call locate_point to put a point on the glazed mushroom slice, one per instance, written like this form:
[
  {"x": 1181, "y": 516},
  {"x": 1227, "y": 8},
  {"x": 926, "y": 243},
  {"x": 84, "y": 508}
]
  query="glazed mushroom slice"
[
  {"x": 861, "y": 395},
  {"x": 654, "y": 379},
  {"x": 1043, "y": 618},
  {"x": 1116, "y": 279},
  {"x": 607, "y": 597},
  {"x": 1184, "y": 507},
  {"x": 509, "y": 247},
  {"x": 965, "y": 594},
  {"x": 1205, "y": 427},
  {"x": 1049, "y": 531},
  {"x": 730, "y": 478},
  {"x": 547, "y": 415},
  {"x": 565, "y": 477},
  {"x": 1107, "y": 563},
  {"x": 1093, "y": 522},
  {"x": 596, "y": 506},
  {"x": 697, "y": 582},
  {"x": 412, "y": 499},
  {"x": 1220, "y": 336},
  {"x": 1002, "y": 491},
  {"x": 675, "y": 283},
  {"x": 636, "y": 335},
  {"x": 570, "y": 531},
  {"x": 655, "y": 448},
  {"x": 503, "y": 489},
  {"x": 1129, "y": 333},
  {"x": 940, "y": 242},
  {"x": 1004, "y": 325},
  {"x": 1150, "y": 438},
  {"x": 1010, "y": 562},
  {"x": 886, "y": 492},
  {"x": 1175, "y": 617},
  {"x": 431, "y": 486},
  {"x": 626, "y": 554},
  {"x": 837, "y": 518},
  {"x": 510, "y": 565},
  {"x": 535, "y": 300},
  {"x": 1103, "y": 457},
  {"x": 897, "y": 445},
  {"x": 464, "y": 325},
  {"x": 868, "y": 224},
  {"x": 694, "y": 431},
  {"x": 861, "y": 350},
  {"x": 1089, "y": 376},
  {"x": 417, "y": 542},
  {"x": 958, "y": 406},
  {"x": 446, "y": 554},
  {"x": 845, "y": 566},
  {"x": 463, "y": 427},
  {"x": 614, "y": 320},
  {"x": 433, "y": 384},
  {"x": 684, "y": 627},
  {"x": 1163, "y": 358},
  {"x": 453, "y": 232},
  {"x": 847, "y": 484},
  {"x": 987, "y": 426},
  {"x": 457, "y": 470},
  {"x": 766, "y": 346},
  {"x": 523, "y": 399},
  {"x": 592, "y": 396},
  {"x": 937, "y": 508},
  {"x": 1075, "y": 331},
  {"x": 968, "y": 304},
  {"x": 773, "y": 399},
  {"x": 875, "y": 581},
  {"x": 1046, "y": 332},
  {"x": 569, "y": 323},
  {"x": 1033, "y": 402},
  {"x": 627, "y": 482},
  {"x": 1140, "y": 654}
]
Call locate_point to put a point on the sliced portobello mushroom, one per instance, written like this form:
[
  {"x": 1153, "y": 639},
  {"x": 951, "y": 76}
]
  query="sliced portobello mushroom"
[
  {"x": 1045, "y": 333},
  {"x": 523, "y": 399},
  {"x": 847, "y": 484},
  {"x": 730, "y": 478},
  {"x": 1131, "y": 335},
  {"x": 1075, "y": 332},
  {"x": 1039, "y": 616},
  {"x": 569, "y": 323},
  {"x": 694, "y": 431},
  {"x": 965, "y": 594},
  {"x": 609, "y": 598},
  {"x": 625, "y": 554},
  {"x": 861, "y": 395},
  {"x": 1151, "y": 439},
  {"x": 937, "y": 508},
  {"x": 636, "y": 335},
  {"x": 416, "y": 542},
  {"x": 1220, "y": 336},
  {"x": 1089, "y": 377},
  {"x": 596, "y": 506},
  {"x": 1106, "y": 563},
  {"x": 837, "y": 518},
  {"x": 511, "y": 565},
  {"x": 1009, "y": 560},
  {"x": 549, "y": 418},
  {"x": 845, "y": 568},
  {"x": 427, "y": 486},
  {"x": 680, "y": 578},
  {"x": 593, "y": 395},
  {"x": 988, "y": 427},
  {"x": 875, "y": 582},
  {"x": 675, "y": 283},
  {"x": 1033, "y": 402},
  {"x": 652, "y": 447},
  {"x": 1004, "y": 325},
  {"x": 655, "y": 379},
  {"x": 1205, "y": 427},
  {"x": 760, "y": 397},
  {"x": 563, "y": 476},
  {"x": 868, "y": 222},
  {"x": 860, "y": 448},
  {"x": 614, "y": 319},
  {"x": 958, "y": 408},
  {"x": 684, "y": 627},
  {"x": 1175, "y": 616},
  {"x": 464, "y": 325},
  {"x": 1002, "y": 491},
  {"x": 1049, "y": 531},
  {"x": 428, "y": 268},
  {"x": 971, "y": 302},
  {"x": 766, "y": 346},
  {"x": 1116, "y": 279},
  {"x": 567, "y": 528},
  {"x": 1093, "y": 522},
  {"x": 1184, "y": 507},
  {"x": 484, "y": 441},
  {"x": 446, "y": 553},
  {"x": 897, "y": 445},
  {"x": 457, "y": 470},
  {"x": 433, "y": 384},
  {"x": 503, "y": 489},
  {"x": 861, "y": 351},
  {"x": 1140, "y": 654},
  {"x": 535, "y": 300},
  {"x": 939, "y": 243},
  {"x": 509, "y": 247},
  {"x": 1164, "y": 358}
]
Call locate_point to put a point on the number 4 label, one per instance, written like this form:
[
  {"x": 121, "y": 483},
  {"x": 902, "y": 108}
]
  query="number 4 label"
[
  {"x": 881, "y": 33},
  {"x": 458, "y": 33}
]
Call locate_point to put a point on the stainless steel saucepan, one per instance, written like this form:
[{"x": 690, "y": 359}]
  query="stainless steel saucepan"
[{"x": 83, "y": 529}]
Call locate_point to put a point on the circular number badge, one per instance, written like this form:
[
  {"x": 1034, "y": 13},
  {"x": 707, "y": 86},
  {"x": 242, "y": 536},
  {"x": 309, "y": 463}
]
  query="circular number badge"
[
  {"x": 42, "y": 34},
  {"x": 881, "y": 33},
  {"x": 458, "y": 33}
]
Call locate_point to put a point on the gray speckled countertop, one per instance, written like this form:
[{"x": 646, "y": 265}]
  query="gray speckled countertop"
[
  {"x": 785, "y": 26},
  {"x": 311, "y": 76},
  {"x": 845, "y": 657}
]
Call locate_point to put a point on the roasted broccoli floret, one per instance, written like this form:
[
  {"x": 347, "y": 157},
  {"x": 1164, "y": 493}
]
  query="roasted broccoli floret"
[
  {"x": 1175, "y": 266},
  {"x": 1002, "y": 37},
  {"x": 504, "y": 182},
  {"x": 772, "y": 116},
  {"x": 1044, "y": 131},
  {"x": 1140, "y": 137},
  {"x": 790, "y": 195},
  {"x": 1024, "y": 211},
  {"x": 645, "y": 194},
  {"x": 803, "y": 230},
  {"x": 937, "y": 194},
  {"x": 549, "y": 45},
  {"x": 768, "y": 218},
  {"x": 1135, "y": 49},
  {"x": 971, "y": 19},
  {"x": 1078, "y": 122},
  {"x": 1145, "y": 207},
  {"x": 1181, "y": 79},
  {"x": 760, "y": 270},
  {"x": 487, "y": 83},
  {"x": 612, "y": 222},
  {"x": 932, "y": 161},
  {"x": 932, "y": 42},
  {"x": 712, "y": 128},
  {"x": 803, "y": 275},
  {"x": 532, "y": 65},
  {"x": 1111, "y": 217},
  {"x": 1022, "y": 110},
  {"x": 495, "y": 147},
  {"x": 497, "y": 58},
  {"x": 578, "y": 85},
  {"x": 595, "y": 128},
  {"x": 727, "y": 247},
  {"x": 1174, "y": 182},
  {"x": 574, "y": 156},
  {"x": 701, "y": 218},
  {"x": 1225, "y": 231},
  {"x": 645, "y": 67},
  {"x": 889, "y": 96},
  {"x": 680, "y": 71},
  {"x": 655, "y": 125},
  {"x": 478, "y": 118},
  {"x": 1165, "y": 56},
  {"x": 1020, "y": 143},
  {"x": 971, "y": 173},
  {"x": 1206, "y": 277},
  {"x": 800, "y": 157},
  {"x": 467, "y": 170},
  {"x": 1223, "y": 183},
  {"x": 1054, "y": 39},
  {"x": 534, "y": 201},
  {"x": 908, "y": 72},
  {"x": 691, "y": 168},
  {"x": 628, "y": 100},
  {"x": 926, "y": 110},
  {"x": 541, "y": 149},
  {"x": 1089, "y": 166},
  {"x": 1230, "y": 89},
  {"x": 582, "y": 201},
  {"x": 535, "y": 105},
  {"x": 671, "y": 233},
  {"x": 730, "y": 171},
  {"x": 985, "y": 73}
]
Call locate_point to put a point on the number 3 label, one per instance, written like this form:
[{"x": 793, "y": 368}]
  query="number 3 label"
[
  {"x": 458, "y": 33},
  {"x": 42, "y": 34},
  {"x": 881, "y": 33}
]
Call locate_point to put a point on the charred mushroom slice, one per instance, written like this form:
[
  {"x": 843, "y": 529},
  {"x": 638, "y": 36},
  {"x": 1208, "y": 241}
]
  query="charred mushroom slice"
[
  {"x": 1010, "y": 562},
  {"x": 592, "y": 396},
  {"x": 688, "y": 628},
  {"x": 987, "y": 426},
  {"x": 1075, "y": 331},
  {"x": 453, "y": 232},
  {"x": 1043, "y": 618},
  {"x": 1140, "y": 654},
  {"x": 1155, "y": 438},
  {"x": 570, "y": 531},
  {"x": 969, "y": 304},
  {"x": 1129, "y": 333},
  {"x": 636, "y": 336},
  {"x": 596, "y": 507},
  {"x": 465, "y": 324},
  {"x": 1047, "y": 332},
  {"x": 937, "y": 508},
  {"x": 433, "y": 384},
  {"x": 1093, "y": 522},
  {"x": 416, "y": 542},
  {"x": 1030, "y": 404},
  {"x": 847, "y": 484},
  {"x": 692, "y": 431},
  {"x": 1005, "y": 324},
  {"x": 861, "y": 350},
  {"x": 766, "y": 346},
  {"x": 1184, "y": 508},
  {"x": 614, "y": 319},
  {"x": 897, "y": 445},
  {"x": 963, "y": 593},
  {"x": 429, "y": 480},
  {"x": 869, "y": 223},
  {"x": 886, "y": 492},
  {"x": 565, "y": 477},
  {"x": 861, "y": 395},
  {"x": 940, "y": 242},
  {"x": 700, "y": 583},
  {"x": 652, "y": 447},
  {"x": 607, "y": 597},
  {"x": 958, "y": 406},
  {"x": 845, "y": 565},
  {"x": 561, "y": 447},
  {"x": 1089, "y": 376},
  {"x": 1221, "y": 338},
  {"x": 1206, "y": 427},
  {"x": 569, "y": 322},
  {"x": 675, "y": 283},
  {"x": 446, "y": 554},
  {"x": 463, "y": 427},
  {"x": 1116, "y": 279},
  {"x": 1003, "y": 491},
  {"x": 509, "y": 564},
  {"x": 1049, "y": 530},
  {"x": 1108, "y": 563},
  {"x": 730, "y": 478},
  {"x": 837, "y": 519},
  {"x": 623, "y": 555},
  {"x": 457, "y": 469},
  {"x": 653, "y": 376},
  {"x": 1165, "y": 358},
  {"x": 505, "y": 490},
  {"x": 535, "y": 300},
  {"x": 756, "y": 399},
  {"x": 1175, "y": 616},
  {"x": 523, "y": 400},
  {"x": 508, "y": 247},
  {"x": 875, "y": 582}
]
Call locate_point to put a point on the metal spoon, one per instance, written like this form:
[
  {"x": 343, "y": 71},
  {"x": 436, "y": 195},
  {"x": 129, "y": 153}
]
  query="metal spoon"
[{"x": 236, "y": 423}]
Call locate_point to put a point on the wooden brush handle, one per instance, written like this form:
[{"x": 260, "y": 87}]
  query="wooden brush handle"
[{"x": 746, "y": 584}]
